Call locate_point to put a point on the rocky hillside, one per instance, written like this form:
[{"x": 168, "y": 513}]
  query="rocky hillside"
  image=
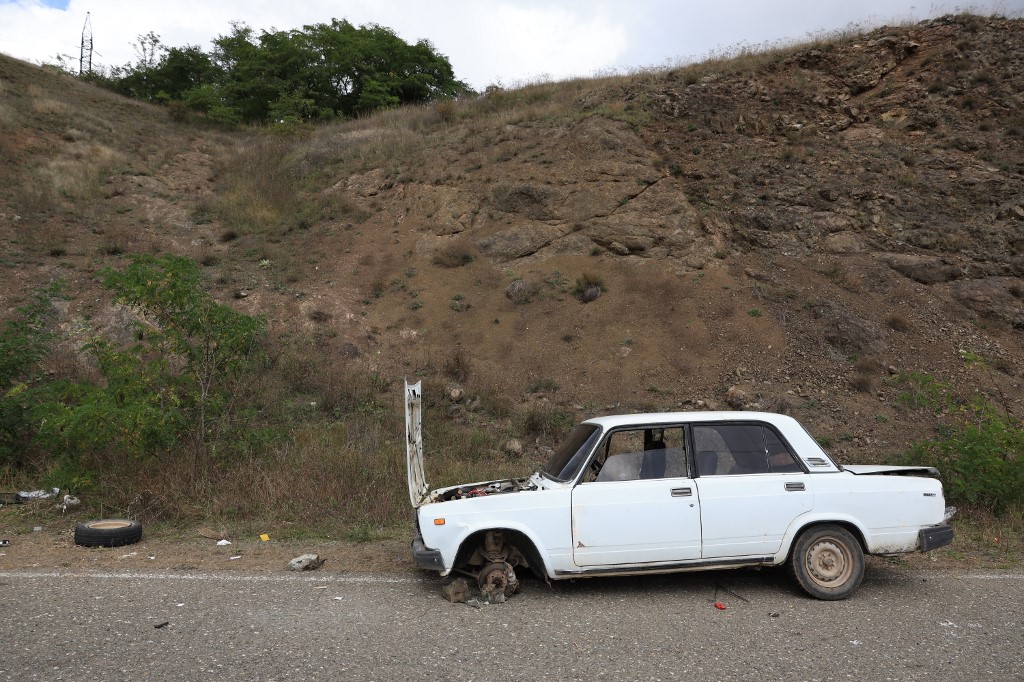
[{"x": 809, "y": 230}]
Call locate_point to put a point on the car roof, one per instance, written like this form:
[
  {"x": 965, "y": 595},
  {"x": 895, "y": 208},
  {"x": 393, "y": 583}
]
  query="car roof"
[{"x": 617, "y": 420}]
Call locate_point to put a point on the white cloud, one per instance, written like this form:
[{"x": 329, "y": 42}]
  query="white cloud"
[
  {"x": 486, "y": 40},
  {"x": 512, "y": 43}
]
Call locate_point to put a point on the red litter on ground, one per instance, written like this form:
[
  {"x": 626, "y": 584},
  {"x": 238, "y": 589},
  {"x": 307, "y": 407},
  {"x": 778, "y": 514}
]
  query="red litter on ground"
[{"x": 720, "y": 606}]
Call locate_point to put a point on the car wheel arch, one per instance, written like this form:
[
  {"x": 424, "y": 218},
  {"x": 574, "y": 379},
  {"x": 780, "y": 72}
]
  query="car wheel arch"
[
  {"x": 797, "y": 530},
  {"x": 848, "y": 525},
  {"x": 522, "y": 541}
]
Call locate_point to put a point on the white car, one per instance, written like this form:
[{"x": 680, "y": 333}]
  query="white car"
[{"x": 678, "y": 491}]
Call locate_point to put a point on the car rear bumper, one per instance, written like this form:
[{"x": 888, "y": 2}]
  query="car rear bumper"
[{"x": 934, "y": 537}]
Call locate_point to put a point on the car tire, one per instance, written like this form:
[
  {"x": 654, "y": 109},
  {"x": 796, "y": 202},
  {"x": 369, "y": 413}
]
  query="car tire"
[
  {"x": 107, "y": 533},
  {"x": 827, "y": 562}
]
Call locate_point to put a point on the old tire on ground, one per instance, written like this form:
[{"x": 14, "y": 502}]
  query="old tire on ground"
[
  {"x": 107, "y": 532},
  {"x": 827, "y": 562}
]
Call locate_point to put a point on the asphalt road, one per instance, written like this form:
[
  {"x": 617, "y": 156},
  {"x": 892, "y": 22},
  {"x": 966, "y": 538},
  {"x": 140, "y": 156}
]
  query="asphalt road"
[{"x": 903, "y": 624}]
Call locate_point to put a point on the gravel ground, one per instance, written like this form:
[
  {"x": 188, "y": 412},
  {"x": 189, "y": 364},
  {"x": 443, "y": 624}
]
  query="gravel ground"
[{"x": 904, "y": 624}]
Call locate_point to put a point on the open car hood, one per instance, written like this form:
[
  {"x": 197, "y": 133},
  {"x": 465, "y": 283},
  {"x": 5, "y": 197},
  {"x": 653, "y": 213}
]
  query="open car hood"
[
  {"x": 890, "y": 470},
  {"x": 414, "y": 443}
]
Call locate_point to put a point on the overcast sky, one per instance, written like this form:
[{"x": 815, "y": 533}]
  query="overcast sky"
[{"x": 488, "y": 41}]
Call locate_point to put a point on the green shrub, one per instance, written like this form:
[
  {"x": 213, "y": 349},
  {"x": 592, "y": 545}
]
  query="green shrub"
[
  {"x": 923, "y": 390},
  {"x": 980, "y": 461},
  {"x": 179, "y": 380}
]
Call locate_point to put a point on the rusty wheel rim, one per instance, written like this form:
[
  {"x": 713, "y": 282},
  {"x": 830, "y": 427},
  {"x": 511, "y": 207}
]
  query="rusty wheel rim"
[{"x": 828, "y": 562}]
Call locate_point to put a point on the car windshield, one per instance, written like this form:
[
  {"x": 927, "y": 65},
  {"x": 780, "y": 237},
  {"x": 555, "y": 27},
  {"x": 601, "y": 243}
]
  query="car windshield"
[{"x": 570, "y": 455}]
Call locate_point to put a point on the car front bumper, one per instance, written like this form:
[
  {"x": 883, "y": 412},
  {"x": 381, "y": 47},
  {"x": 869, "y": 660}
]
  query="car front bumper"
[
  {"x": 426, "y": 558},
  {"x": 934, "y": 537}
]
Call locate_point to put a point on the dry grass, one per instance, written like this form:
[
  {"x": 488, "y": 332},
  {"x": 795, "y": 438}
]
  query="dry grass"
[
  {"x": 866, "y": 371},
  {"x": 259, "y": 193},
  {"x": 455, "y": 253},
  {"x": 985, "y": 540},
  {"x": 457, "y": 365},
  {"x": 78, "y": 174},
  {"x": 8, "y": 116},
  {"x": 328, "y": 474},
  {"x": 42, "y": 103}
]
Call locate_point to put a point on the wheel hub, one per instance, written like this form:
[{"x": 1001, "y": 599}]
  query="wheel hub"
[
  {"x": 497, "y": 577},
  {"x": 827, "y": 562}
]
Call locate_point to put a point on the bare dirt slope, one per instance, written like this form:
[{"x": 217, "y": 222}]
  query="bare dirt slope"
[{"x": 787, "y": 231}]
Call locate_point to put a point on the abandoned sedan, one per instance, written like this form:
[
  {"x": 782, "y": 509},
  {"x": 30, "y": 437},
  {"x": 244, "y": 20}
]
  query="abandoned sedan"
[{"x": 685, "y": 491}]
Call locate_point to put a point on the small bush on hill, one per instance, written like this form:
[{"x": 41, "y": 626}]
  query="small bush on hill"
[
  {"x": 454, "y": 255},
  {"x": 588, "y": 287}
]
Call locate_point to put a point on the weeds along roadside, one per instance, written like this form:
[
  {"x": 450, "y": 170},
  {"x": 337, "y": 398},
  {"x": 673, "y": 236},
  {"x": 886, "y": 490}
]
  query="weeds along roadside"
[{"x": 288, "y": 440}]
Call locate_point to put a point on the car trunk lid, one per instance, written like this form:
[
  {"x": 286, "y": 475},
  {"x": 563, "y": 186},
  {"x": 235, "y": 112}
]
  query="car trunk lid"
[{"x": 890, "y": 470}]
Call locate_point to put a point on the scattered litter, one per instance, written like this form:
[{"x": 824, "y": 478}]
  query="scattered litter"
[
  {"x": 455, "y": 591},
  {"x": 37, "y": 529},
  {"x": 162, "y": 625},
  {"x": 181, "y": 604},
  {"x": 125, "y": 556},
  {"x": 264, "y": 537},
  {"x": 222, "y": 543},
  {"x": 855, "y": 642},
  {"x": 948, "y": 624},
  {"x": 475, "y": 603},
  {"x": 773, "y": 614},
  {"x": 5, "y": 543},
  {"x": 152, "y": 556},
  {"x": 232, "y": 558},
  {"x": 719, "y": 586},
  {"x": 306, "y": 562},
  {"x": 339, "y": 599},
  {"x": 720, "y": 606},
  {"x": 68, "y": 501},
  {"x": 319, "y": 587},
  {"x": 38, "y": 494}
]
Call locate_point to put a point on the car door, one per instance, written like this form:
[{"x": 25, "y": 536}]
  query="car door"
[
  {"x": 641, "y": 506},
  {"x": 751, "y": 489}
]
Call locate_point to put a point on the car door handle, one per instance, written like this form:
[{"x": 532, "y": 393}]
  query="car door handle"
[
  {"x": 681, "y": 492},
  {"x": 793, "y": 487}
]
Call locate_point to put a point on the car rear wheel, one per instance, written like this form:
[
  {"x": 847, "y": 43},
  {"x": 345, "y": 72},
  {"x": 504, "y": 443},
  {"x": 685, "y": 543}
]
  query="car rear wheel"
[
  {"x": 827, "y": 562},
  {"x": 107, "y": 533}
]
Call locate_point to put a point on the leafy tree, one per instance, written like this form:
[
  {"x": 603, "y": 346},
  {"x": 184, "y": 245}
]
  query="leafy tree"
[
  {"x": 182, "y": 323},
  {"x": 320, "y": 72},
  {"x": 177, "y": 381}
]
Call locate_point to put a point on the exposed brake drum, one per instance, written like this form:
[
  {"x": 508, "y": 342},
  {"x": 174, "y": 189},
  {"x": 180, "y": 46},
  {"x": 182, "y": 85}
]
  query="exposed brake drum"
[{"x": 498, "y": 577}]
